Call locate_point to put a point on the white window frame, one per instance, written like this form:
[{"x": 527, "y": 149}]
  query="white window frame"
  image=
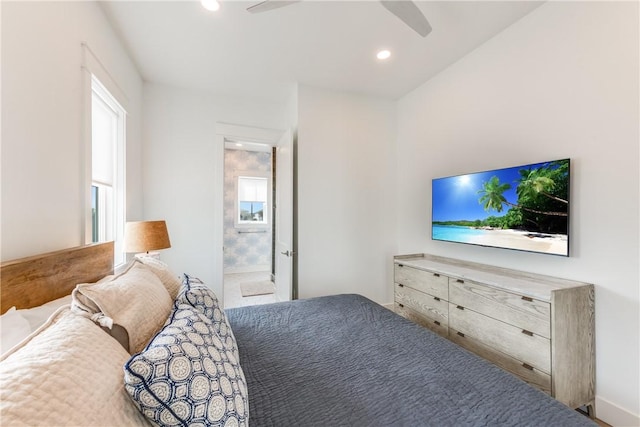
[{"x": 113, "y": 216}]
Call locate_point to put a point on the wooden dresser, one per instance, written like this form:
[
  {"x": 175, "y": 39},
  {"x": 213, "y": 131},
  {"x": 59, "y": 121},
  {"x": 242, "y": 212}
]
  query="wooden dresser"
[{"x": 539, "y": 328}]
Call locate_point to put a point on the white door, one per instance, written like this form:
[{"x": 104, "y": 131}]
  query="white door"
[{"x": 284, "y": 218}]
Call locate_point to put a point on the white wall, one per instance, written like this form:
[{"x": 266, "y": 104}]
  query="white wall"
[
  {"x": 562, "y": 82},
  {"x": 183, "y": 165},
  {"x": 42, "y": 122},
  {"x": 346, "y": 169}
]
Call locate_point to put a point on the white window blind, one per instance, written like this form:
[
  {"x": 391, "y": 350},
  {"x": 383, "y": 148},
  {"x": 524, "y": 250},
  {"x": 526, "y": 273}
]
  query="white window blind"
[
  {"x": 108, "y": 130},
  {"x": 104, "y": 128},
  {"x": 252, "y": 189}
]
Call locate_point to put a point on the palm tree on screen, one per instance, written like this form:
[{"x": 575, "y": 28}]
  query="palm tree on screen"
[
  {"x": 537, "y": 181},
  {"x": 492, "y": 194},
  {"x": 492, "y": 197}
]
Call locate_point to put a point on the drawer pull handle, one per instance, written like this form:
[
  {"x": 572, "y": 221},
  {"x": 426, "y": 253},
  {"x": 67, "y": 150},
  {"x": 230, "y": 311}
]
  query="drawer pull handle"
[
  {"x": 461, "y": 334},
  {"x": 400, "y": 265},
  {"x": 528, "y": 299},
  {"x": 459, "y": 280},
  {"x": 436, "y": 298},
  {"x": 524, "y": 331},
  {"x": 436, "y": 274},
  {"x": 400, "y": 305},
  {"x": 526, "y": 366},
  {"x": 400, "y": 285},
  {"x": 436, "y": 322},
  {"x": 459, "y": 307}
]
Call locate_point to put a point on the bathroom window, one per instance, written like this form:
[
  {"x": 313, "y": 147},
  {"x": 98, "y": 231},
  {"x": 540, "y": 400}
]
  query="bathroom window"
[{"x": 253, "y": 198}]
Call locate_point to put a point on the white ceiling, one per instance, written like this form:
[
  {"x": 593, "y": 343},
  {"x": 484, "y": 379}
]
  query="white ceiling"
[{"x": 330, "y": 44}]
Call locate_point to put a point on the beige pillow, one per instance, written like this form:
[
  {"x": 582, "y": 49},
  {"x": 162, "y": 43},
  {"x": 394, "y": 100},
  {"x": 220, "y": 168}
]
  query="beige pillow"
[
  {"x": 137, "y": 301},
  {"x": 68, "y": 372},
  {"x": 168, "y": 278}
]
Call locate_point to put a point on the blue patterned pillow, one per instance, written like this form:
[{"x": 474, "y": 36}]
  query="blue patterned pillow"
[
  {"x": 185, "y": 376},
  {"x": 200, "y": 296}
]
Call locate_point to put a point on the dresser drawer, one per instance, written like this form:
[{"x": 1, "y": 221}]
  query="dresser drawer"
[
  {"x": 422, "y": 320},
  {"x": 425, "y": 281},
  {"x": 426, "y": 305},
  {"x": 521, "y": 344},
  {"x": 523, "y": 312},
  {"x": 527, "y": 373}
]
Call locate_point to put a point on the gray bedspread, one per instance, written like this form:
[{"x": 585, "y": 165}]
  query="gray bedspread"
[{"x": 346, "y": 361}]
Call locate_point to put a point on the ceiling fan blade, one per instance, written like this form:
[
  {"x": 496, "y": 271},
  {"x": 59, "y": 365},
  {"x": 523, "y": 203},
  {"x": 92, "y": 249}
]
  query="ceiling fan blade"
[
  {"x": 267, "y": 5},
  {"x": 409, "y": 13}
]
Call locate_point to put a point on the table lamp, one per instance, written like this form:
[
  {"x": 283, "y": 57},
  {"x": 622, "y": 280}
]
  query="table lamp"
[{"x": 145, "y": 237}]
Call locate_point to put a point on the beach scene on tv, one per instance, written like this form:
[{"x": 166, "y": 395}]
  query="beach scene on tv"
[{"x": 524, "y": 208}]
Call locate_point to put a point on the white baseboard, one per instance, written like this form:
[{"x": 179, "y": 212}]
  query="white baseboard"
[
  {"x": 248, "y": 269},
  {"x": 388, "y": 306},
  {"x": 612, "y": 414}
]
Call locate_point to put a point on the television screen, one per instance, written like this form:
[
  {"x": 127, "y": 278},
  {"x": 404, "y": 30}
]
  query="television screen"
[{"x": 524, "y": 208}]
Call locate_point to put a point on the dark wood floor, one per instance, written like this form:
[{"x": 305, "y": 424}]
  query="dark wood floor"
[{"x": 602, "y": 423}]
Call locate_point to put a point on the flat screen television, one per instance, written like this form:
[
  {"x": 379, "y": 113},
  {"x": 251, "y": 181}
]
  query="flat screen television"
[{"x": 523, "y": 208}]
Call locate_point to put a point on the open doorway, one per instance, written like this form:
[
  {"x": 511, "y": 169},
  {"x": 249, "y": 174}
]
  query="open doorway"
[
  {"x": 279, "y": 205},
  {"x": 249, "y": 194}
]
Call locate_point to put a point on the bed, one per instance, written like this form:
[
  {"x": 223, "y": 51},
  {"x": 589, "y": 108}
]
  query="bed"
[{"x": 338, "y": 360}]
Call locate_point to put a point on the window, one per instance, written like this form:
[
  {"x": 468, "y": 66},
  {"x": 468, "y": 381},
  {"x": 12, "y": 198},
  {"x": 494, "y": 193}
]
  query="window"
[
  {"x": 252, "y": 201},
  {"x": 107, "y": 168}
]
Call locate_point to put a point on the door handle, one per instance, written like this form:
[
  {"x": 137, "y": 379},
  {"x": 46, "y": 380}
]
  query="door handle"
[{"x": 287, "y": 253}]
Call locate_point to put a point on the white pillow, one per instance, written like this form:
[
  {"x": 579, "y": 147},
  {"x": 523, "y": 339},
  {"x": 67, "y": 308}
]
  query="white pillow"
[
  {"x": 37, "y": 316},
  {"x": 67, "y": 373},
  {"x": 13, "y": 329}
]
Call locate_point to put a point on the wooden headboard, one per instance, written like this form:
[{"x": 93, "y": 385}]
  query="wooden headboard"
[{"x": 33, "y": 281}]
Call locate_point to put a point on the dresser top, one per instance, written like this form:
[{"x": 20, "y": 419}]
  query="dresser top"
[{"x": 530, "y": 284}]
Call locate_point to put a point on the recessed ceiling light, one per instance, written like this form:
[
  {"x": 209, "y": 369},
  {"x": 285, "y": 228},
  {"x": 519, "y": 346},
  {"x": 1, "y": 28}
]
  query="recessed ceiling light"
[
  {"x": 383, "y": 54},
  {"x": 211, "y": 5},
  {"x": 238, "y": 144}
]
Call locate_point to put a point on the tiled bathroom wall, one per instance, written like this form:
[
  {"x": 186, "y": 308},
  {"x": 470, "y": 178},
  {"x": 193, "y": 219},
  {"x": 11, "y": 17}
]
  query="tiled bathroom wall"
[{"x": 246, "y": 249}]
